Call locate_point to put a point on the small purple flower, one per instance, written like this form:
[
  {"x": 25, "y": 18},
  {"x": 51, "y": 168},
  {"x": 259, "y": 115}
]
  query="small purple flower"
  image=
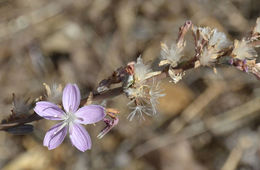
[{"x": 71, "y": 119}]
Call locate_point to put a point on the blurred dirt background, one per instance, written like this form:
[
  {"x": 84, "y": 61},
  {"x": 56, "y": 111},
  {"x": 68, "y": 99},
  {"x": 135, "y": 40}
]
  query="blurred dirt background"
[{"x": 206, "y": 122}]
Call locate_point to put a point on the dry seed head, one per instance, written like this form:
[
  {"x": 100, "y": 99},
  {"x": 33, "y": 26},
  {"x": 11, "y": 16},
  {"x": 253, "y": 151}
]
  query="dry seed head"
[
  {"x": 140, "y": 70},
  {"x": 216, "y": 42},
  {"x": 219, "y": 40},
  {"x": 172, "y": 55},
  {"x": 144, "y": 99},
  {"x": 242, "y": 50},
  {"x": 215, "y": 38},
  {"x": 208, "y": 57},
  {"x": 205, "y": 32},
  {"x": 136, "y": 92}
]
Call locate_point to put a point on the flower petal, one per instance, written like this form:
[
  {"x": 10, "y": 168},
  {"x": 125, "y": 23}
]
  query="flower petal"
[
  {"x": 55, "y": 136},
  {"x": 71, "y": 98},
  {"x": 48, "y": 110},
  {"x": 79, "y": 137},
  {"x": 90, "y": 114}
]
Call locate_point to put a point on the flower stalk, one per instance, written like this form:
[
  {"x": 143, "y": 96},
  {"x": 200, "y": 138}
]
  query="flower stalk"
[{"x": 139, "y": 81}]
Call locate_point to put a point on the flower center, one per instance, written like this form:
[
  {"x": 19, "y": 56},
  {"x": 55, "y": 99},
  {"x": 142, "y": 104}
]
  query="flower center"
[{"x": 69, "y": 118}]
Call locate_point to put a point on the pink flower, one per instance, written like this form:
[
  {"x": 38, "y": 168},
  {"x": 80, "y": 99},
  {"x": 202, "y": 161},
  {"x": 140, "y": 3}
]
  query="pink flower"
[{"x": 71, "y": 118}]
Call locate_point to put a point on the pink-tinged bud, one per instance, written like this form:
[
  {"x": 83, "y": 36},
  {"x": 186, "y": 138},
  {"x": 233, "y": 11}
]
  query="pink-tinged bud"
[
  {"x": 231, "y": 61},
  {"x": 109, "y": 125}
]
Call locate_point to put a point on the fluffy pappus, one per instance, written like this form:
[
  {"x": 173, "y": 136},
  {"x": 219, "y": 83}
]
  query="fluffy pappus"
[{"x": 144, "y": 98}]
